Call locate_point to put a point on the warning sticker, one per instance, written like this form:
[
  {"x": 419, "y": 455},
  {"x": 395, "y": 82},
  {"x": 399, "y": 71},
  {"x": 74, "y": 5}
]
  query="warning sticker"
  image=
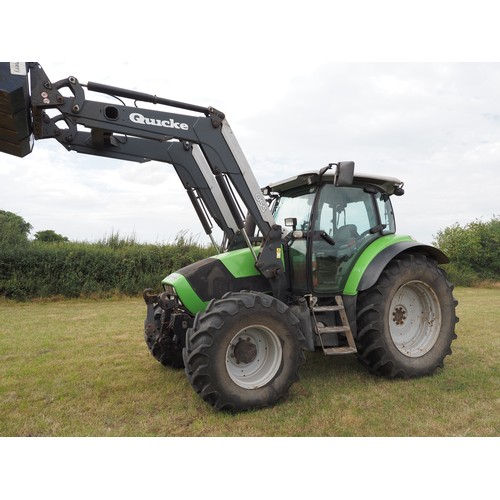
[{"x": 18, "y": 68}]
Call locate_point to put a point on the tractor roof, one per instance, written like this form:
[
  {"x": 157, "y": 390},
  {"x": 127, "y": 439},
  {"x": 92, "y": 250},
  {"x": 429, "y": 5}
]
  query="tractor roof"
[{"x": 386, "y": 184}]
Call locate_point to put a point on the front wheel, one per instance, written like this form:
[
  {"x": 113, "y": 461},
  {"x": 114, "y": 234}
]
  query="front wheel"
[
  {"x": 244, "y": 351},
  {"x": 406, "y": 321}
]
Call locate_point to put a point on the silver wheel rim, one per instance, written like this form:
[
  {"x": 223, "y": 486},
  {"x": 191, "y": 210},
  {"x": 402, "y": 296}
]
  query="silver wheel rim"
[
  {"x": 414, "y": 319},
  {"x": 253, "y": 357}
]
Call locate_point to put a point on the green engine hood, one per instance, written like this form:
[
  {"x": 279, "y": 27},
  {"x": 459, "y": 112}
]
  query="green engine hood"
[{"x": 215, "y": 276}]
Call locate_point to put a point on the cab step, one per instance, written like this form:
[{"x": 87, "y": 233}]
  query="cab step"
[
  {"x": 321, "y": 309},
  {"x": 332, "y": 351},
  {"x": 332, "y": 329},
  {"x": 344, "y": 328}
]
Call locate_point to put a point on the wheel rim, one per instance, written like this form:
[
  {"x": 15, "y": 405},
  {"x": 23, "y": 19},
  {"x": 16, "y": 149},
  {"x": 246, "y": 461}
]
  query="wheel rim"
[
  {"x": 415, "y": 319},
  {"x": 253, "y": 357}
]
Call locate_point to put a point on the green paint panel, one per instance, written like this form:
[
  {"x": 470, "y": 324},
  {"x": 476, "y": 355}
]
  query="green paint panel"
[
  {"x": 351, "y": 287},
  {"x": 240, "y": 263},
  {"x": 186, "y": 294}
]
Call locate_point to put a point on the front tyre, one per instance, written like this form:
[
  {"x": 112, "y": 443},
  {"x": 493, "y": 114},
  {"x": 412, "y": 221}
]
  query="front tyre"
[
  {"x": 244, "y": 351},
  {"x": 406, "y": 321}
]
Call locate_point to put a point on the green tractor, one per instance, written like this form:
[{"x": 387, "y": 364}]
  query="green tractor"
[
  {"x": 309, "y": 263},
  {"x": 353, "y": 286}
]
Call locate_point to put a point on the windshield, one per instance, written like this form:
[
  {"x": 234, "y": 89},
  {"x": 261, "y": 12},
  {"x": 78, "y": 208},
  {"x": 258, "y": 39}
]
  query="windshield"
[{"x": 297, "y": 204}]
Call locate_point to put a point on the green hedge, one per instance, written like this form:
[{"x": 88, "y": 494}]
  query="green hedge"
[
  {"x": 36, "y": 270},
  {"x": 473, "y": 250}
]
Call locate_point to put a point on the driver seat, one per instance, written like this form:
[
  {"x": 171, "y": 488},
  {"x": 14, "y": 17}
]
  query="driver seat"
[{"x": 346, "y": 235}]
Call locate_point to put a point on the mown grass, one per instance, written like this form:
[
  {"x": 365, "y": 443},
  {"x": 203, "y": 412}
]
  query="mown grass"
[{"x": 81, "y": 368}]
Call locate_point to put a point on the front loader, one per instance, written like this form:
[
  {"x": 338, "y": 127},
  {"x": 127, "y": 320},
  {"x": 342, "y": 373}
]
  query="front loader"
[{"x": 308, "y": 263}]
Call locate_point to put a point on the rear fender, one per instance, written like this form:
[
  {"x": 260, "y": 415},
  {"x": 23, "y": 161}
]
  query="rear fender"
[{"x": 369, "y": 273}]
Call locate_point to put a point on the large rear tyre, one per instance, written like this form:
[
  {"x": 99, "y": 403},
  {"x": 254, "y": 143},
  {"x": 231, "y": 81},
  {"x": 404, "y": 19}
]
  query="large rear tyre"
[
  {"x": 406, "y": 321},
  {"x": 244, "y": 351}
]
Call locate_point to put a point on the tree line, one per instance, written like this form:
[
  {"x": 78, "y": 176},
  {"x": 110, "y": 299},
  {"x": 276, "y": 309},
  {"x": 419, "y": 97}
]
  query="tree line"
[{"x": 50, "y": 265}]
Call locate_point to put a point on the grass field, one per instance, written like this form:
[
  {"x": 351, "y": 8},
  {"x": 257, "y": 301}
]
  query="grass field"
[{"x": 81, "y": 368}]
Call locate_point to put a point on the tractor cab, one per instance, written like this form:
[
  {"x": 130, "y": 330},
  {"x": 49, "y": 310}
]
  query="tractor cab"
[{"x": 328, "y": 222}]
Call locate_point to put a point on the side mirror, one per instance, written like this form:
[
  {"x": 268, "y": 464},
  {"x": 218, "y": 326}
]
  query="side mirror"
[
  {"x": 291, "y": 222},
  {"x": 345, "y": 173}
]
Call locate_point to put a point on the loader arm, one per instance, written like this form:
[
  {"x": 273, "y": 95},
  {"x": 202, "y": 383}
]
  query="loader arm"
[
  {"x": 189, "y": 165},
  {"x": 201, "y": 146}
]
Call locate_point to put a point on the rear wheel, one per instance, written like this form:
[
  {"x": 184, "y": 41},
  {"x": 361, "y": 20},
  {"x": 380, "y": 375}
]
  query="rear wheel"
[
  {"x": 406, "y": 321},
  {"x": 244, "y": 351}
]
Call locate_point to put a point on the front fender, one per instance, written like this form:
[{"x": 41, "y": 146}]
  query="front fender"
[{"x": 376, "y": 256}]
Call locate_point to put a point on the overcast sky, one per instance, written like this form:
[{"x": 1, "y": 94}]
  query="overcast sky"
[{"x": 295, "y": 101}]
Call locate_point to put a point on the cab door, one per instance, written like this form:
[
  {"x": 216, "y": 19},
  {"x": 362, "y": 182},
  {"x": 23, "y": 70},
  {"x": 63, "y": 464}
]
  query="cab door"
[{"x": 345, "y": 221}]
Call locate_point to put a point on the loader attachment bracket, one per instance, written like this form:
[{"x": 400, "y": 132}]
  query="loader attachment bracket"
[{"x": 15, "y": 115}]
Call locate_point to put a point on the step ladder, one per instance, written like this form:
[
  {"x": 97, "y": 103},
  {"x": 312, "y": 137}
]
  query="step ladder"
[{"x": 344, "y": 328}]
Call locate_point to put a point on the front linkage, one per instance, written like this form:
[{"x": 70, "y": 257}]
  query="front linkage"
[{"x": 165, "y": 328}]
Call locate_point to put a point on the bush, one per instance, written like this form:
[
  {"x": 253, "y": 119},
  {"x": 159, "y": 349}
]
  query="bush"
[
  {"x": 474, "y": 251},
  {"x": 50, "y": 236},
  {"x": 14, "y": 229},
  {"x": 83, "y": 269}
]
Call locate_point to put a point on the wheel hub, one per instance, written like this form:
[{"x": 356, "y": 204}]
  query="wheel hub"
[
  {"x": 253, "y": 356},
  {"x": 399, "y": 315},
  {"x": 416, "y": 318},
  {"x": 245, "y": 351}
]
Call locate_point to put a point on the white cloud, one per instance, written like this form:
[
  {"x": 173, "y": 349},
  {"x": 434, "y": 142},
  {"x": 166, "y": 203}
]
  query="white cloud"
[
  {"x": 435, "y": 126},
  {"x": 277, "y": 70}
]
